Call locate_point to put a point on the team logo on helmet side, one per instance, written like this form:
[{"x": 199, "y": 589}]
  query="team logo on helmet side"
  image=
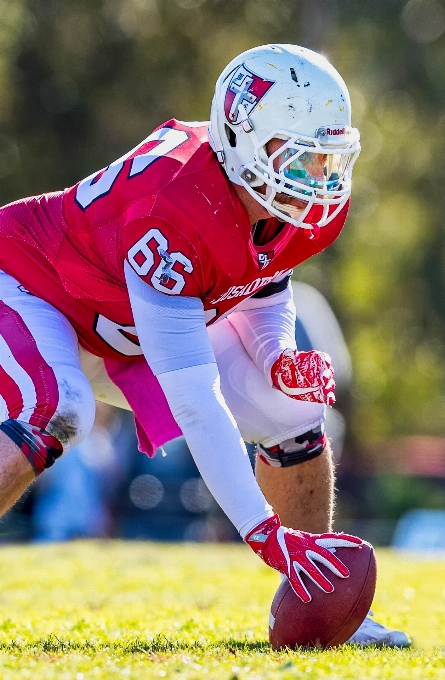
[{"x": 244, "y": 88}]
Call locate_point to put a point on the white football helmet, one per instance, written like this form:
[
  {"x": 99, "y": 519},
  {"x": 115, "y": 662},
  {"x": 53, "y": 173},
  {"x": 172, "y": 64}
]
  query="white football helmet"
[{"x": 292, "y": 94}]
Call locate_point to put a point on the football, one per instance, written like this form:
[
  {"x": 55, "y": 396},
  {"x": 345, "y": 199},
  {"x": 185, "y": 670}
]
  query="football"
[{"x": 330, "y": 618}]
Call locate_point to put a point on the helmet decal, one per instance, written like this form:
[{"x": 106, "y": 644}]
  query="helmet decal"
[{"x": 245, "y": 88}]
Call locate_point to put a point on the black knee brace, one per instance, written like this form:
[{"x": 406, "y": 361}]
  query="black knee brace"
[
  {"x": 39, "y": 446},
  {"x": 294, "y": 451}
]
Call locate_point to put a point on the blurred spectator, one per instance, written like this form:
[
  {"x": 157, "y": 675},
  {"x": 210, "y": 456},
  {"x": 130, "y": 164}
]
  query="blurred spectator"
[
  {"x": 164, "y": 498},
  {"x": 421, "y": 531},
  {"x": 73, "y": 498}
]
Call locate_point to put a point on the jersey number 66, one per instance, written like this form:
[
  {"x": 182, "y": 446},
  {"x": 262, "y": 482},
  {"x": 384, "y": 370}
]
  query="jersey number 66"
[{"x": 141, "y": 258}]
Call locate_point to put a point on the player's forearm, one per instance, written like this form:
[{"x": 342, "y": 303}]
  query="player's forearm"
[
  {"x": 215, "y": 442},
  {"x": 266, "y": 332}
]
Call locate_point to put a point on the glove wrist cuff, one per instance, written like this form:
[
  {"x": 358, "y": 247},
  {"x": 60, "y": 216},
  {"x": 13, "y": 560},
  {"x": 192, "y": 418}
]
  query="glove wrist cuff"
[{"x": 260, "y": 535}]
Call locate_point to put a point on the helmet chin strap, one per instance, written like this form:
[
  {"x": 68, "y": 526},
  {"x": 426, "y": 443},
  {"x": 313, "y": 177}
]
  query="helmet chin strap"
[
  {"x": 312, "y": 231},
  {"x": 288, "y": 209}
]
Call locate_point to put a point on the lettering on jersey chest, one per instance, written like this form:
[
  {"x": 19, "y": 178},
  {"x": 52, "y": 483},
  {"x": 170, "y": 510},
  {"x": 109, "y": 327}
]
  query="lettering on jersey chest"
[{"x": 221, "y": 305}]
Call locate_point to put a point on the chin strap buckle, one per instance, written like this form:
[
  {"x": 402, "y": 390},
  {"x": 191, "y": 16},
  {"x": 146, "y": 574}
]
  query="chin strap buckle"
[{"x": 247, "y": 125}]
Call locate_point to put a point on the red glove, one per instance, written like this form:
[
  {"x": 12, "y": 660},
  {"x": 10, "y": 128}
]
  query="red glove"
[
  {"x": 307, "y": 376},
  {"x": 292, "y": 552}
]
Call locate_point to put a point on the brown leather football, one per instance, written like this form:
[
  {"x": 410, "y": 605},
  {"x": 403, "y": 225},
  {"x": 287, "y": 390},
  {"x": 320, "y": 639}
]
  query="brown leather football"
[{"x": 330, "y": 618}]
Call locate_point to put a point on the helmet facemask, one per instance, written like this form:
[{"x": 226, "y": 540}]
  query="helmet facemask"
[{"x": 302, "y": 168}]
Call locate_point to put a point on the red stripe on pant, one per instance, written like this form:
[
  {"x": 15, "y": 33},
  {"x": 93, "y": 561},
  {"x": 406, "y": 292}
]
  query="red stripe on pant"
[
  {"x": 26, "y": 353},
  {"x": 10, "y": 392}
]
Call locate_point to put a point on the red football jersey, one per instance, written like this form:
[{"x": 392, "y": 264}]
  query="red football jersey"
[{"x": 168, "y": 208}]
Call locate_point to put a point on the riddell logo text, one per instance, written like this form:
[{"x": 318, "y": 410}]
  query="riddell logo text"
[
  {"x": 333, "y": 131},
  {"x": 250, "y": 288}
]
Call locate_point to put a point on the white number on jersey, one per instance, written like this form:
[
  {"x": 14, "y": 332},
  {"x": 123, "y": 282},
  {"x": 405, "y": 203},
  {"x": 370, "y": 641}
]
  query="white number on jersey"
[
  {"x": 141, "y": 258},
  {"x": 100, "y": 183},
  {"x": 120, "y": 337}
]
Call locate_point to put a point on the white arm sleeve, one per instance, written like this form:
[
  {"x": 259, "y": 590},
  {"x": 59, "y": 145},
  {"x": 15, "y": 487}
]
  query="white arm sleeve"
[
  {"x": 210, "y": 430},
  {"x": 176, "y": 345},
  {"x": 266, "y": 330}
]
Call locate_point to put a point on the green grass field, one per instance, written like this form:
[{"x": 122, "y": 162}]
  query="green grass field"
[{"x": 140, "y": 610}]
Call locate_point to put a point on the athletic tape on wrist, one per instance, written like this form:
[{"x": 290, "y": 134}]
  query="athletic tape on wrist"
[{"x": 39, "y": 446}]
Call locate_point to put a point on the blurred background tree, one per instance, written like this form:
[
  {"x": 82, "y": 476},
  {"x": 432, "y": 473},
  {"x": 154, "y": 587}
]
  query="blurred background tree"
[{"x": 82, "y": 82}]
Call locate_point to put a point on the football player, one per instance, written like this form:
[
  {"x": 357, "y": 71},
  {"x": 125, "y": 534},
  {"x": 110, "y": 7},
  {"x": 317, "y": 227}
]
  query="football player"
[{"x": 161, "y": 284}]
